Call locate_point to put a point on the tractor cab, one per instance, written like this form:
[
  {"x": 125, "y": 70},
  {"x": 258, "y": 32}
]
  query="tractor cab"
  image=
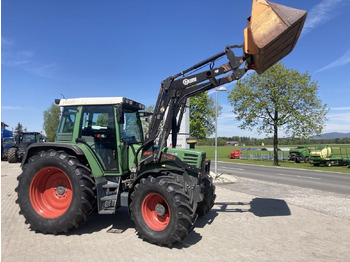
[{"x": 107, "y": 127}]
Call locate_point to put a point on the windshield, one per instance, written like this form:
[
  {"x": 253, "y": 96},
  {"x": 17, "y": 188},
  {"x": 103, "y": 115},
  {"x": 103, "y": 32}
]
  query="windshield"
[
  {"x": 8, "y": 142},
  {"x": 131, "y": 130},
  {"x": 28, "y": 138}
]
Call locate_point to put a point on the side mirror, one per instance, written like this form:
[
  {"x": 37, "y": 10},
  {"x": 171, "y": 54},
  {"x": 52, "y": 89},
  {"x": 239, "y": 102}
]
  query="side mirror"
[{"x": 120, "y": 115}]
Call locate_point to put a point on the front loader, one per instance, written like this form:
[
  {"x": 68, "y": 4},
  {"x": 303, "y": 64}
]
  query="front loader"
[{"x": 100, "y": 159}]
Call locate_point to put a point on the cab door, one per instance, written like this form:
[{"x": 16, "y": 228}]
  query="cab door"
[{"x": 98, "y": 131}]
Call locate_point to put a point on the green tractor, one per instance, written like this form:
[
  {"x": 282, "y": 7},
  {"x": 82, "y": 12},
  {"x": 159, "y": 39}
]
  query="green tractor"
[
  {"x": 90, "y": 166},
  {"x": 101, "y": 160},
  {"x": 299, "y": 154}
]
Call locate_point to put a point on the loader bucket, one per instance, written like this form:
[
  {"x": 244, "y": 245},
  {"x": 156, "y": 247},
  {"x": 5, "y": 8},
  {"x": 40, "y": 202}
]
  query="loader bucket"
[{"x": 271, "y": 33}]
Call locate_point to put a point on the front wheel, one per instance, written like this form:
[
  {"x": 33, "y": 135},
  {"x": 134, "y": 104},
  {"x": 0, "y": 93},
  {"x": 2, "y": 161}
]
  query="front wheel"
[
  {"x": 12, "y": 155},
  {"x": 208, "y": 197},
  {"x": 55, "y": 192},
  {"x": 161, "y": 210}
]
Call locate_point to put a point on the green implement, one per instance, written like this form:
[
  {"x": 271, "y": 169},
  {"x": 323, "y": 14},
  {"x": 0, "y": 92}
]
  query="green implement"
[{"x": 330, "y": 155}]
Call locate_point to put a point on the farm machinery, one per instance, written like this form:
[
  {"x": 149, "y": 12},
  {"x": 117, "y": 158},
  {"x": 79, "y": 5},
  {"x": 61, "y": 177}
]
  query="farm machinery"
[
  {"x": 23, "y": 140},
  {"x": 330, "y": 155},
  {"x": 7, "y": 141},
  {"x": 299, "y": 154},
  {"x": 101, "y": 161},
  {"x": 235, "y": 154}
]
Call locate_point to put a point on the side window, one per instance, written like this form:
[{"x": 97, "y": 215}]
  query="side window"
[{"x": 66, "y": 125}]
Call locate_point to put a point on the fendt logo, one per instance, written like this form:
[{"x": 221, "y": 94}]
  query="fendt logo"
[{"x": 189, "y": 81}]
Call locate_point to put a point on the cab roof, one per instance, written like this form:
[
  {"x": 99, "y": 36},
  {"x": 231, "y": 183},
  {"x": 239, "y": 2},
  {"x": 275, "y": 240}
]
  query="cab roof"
[{"x": 99, "y": 101}]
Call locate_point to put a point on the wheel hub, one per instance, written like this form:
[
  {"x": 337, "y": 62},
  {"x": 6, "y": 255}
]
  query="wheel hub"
[
  {"x": 61, "y": 190},
  {"x": 160, "y": 209},
  {"x": 156, "y": 211}
]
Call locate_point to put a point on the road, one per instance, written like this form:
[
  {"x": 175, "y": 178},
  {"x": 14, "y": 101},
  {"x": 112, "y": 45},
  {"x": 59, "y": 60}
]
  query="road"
[{"x": 338, "y": 183}]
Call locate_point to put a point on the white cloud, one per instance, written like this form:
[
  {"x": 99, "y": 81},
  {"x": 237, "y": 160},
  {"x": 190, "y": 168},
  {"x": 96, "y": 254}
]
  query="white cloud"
[
  {"x": 338, "y": 121},
  {"x": 17, "y": 108},
  {"x": 343, "y": 118},
  {"x": 321, "y": 13},
  {"x": 6, "y": 42},
  {"x": 24, "y": 59},
  {"x": 334, "y": 127},
  {"x": 341, "y": 61},
  {"x": 339, "y": 108},
  {"x": 15, "y": 59},
  {"x": 12, "y": 108},
  {"x": 44, "y": 70}
]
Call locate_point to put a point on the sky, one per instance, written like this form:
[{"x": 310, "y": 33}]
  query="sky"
[{"x": 54, "y": 49}]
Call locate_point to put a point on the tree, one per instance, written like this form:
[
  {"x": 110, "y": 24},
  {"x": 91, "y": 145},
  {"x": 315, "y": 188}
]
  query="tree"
[
  {"x": 51, "y": 120},
  {"x": 19, "y": 128},
  {"x": 102, "y": 120},
  {"x": 202, "y": 115},
  {"x": 145, "y": 121},
  {"x": 279, "y": 98}
]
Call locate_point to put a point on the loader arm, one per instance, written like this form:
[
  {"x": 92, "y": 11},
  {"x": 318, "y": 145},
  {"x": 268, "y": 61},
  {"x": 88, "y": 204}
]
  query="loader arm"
[
  {"x": 175, "y": 90},
  {"x": 272, "y": 32}
]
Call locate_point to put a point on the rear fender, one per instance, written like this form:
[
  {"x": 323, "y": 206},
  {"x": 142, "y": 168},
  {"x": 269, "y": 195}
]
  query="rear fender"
[
  {"x": 84, "y": 156},
  {"x": 37, "y": 147}
]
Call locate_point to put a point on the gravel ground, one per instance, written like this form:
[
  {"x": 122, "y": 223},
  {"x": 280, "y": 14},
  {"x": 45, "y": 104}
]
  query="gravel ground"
[
  {"x": 242, "y": 226},
  {"x": 324, "y": 202}
]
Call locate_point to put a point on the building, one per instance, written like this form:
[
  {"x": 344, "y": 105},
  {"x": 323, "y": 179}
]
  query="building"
[{"x": 232, "y": 143}]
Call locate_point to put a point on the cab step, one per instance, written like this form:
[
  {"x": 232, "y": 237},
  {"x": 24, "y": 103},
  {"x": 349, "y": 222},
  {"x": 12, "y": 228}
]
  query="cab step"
[{"x": 108, "y": 193}]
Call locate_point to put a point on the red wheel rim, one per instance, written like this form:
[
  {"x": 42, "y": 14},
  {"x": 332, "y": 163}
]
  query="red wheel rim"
[
  {"x": 50, "y": 192},
  {"x": 155, "y": 211}
]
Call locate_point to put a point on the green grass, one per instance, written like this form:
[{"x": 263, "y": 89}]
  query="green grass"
[{"x": 224, "y": 152}]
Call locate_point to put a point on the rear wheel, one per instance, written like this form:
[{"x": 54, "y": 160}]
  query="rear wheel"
[
  {"x": 12, "y": 155},
  {"x": 328, "y": 163},
  {"x": 55, "y": 192},
  {"x": 161, "y": 210}
]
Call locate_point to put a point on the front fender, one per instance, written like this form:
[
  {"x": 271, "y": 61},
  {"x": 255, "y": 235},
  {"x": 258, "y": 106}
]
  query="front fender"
[{"x": 189, "y": 181}]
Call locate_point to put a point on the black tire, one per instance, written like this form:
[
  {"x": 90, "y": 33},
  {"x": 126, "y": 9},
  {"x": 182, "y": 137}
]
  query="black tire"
[
  {"x": 209, "y": 197},
  {"x": 71, "y": 196},
  {"x": 12, "y": 155},
  {"x": 328, "y": 163},
  {"x": 176, "y": 216}
]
